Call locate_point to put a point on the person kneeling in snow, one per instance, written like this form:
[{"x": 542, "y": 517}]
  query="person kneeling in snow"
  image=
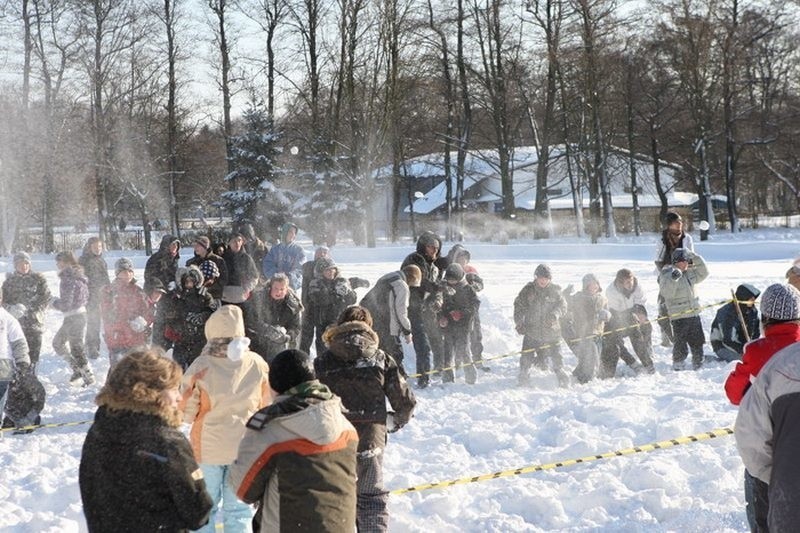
[
  {"x": 728, "y": 335},
  {"x": 297, "y": 458},
  {"x": 222, "y": 388}
]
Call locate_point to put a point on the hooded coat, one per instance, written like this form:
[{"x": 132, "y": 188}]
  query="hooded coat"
[
  {"x": 428, "y": 292},
  {"x": 297, "y": 460},
  {"x": 162, "y": 265},
  {"x": 538, "y": 311},
  {"x": 364, "y": 377},
  {"x": 216, "y": 289},
  {"x": 283, "y": 313},
  {"x": 285, "y": 257},
  {"x": 137, "y": 472},
  {"x": 327, "y": 298},
  {"x": 387, "y": 302},
  {"x": 186, "y": 311},
  {"x": 73, "y": 291},
  {"x": 679, "y": 294},
  {"x": 123, "y": 302},
  {"x": 726, "y": 329},
  {"x": 31, "y": 291}
]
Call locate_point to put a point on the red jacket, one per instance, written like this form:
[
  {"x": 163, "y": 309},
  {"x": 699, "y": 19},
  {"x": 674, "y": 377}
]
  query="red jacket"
[
  {"x": 756, "y": 354},
  {"x": 121, "y": 303}
]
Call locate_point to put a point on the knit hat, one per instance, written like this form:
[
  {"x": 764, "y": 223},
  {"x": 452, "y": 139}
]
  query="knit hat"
[
  {"x": 289, "y": 369},
  {"x": 781, "y": 303},
  {"x": 745, "y": 291},
  {"x": 680, "y": 254},
  {"x": 209, "y": 269},
  {"x": 22, "y": 257},
  {"x": 321, "y": 251},
  {"x": 543, "y": 271},
  {"x": 203, "y": 241},
  {"x": 225, "y": 322},
  {"x": 122, "y": 264},
  {"x": 454, "y": 272},
  {"x": 322, "y": 264}
]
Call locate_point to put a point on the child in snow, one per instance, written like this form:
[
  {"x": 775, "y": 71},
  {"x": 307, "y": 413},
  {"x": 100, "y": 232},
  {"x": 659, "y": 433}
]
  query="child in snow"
[
  {"x": 96, "y": 270},
  {"x": 678, "y": 285},
  {"x": 626, "y": 302},
  {"x": 764, "y": 429},
  {"x": 329, "y": 293},
  {"x": 538, "y": 310},
  {"x": 68, "y": 341},
  {"x": 137, "y": 471},
  {"x": 589, "y": 311},
  {"x": 459, "y": 254},
  {"x": 188, "y": 308},
  {"x": 221, "y": 390},
  {"x": 727, "y": 333},
  {"x": 365, "y": 377},
  {"x": 25, "y": 297},
  {"x": 127, "y": 314},
  {"x": 459, "y": 307},
  {"x": 279, "y": 325}
]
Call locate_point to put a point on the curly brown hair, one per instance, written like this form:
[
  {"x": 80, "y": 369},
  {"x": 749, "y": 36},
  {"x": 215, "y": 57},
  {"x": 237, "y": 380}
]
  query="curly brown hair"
[
  {"x": 137, "y": 384},
  {"x": 355, "y": 313}
]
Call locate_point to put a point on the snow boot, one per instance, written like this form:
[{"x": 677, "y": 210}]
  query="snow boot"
[{"x": 82, "y": 376}]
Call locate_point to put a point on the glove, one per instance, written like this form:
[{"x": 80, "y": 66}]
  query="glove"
[
  {"x": 276, "y": 334},
  {"x": 359, "y": 283},
  {"x": 195, "y": 319},
  {"x": 604, "y": 315},
  {"x": 449, "y": 291},
  {"x": 456, "y": 315},
  {"x": 676, "y": 274},
  {"x": 17, "y": 310},
  {"x": 341, "y": 289},
  {"x": 443, "y": 322},
  {"x": 138, "y": 324}
]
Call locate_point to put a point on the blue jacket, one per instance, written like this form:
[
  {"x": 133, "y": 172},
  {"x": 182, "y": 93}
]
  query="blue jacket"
[{"x": 286, "y": 258}]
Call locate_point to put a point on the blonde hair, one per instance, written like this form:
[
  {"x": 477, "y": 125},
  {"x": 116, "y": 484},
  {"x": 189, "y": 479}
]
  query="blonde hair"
[
  {"x": 137, "y": 382},
  {"x": 413, "y": 275}
]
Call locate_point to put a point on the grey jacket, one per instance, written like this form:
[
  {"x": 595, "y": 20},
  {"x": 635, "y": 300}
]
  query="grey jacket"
[
  {"x": 679, "y": 294},
  {"x": 768, "y": 436}
]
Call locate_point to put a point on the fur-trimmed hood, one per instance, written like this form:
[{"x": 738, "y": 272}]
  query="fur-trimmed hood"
[
  {"x": 145, "y": 402},
  {"x": 351, "y": 340}
]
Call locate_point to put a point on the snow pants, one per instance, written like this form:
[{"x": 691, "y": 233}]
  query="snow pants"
[
  {"x": 72, "y": 332},
  {"x": 34, "y": 338},
  {"x": 237, "y": 516},
  {"x": 536, "y": 353},
  {"x": 588, "y": 353},
  {"x": 688, "y": 335},
  {"x": 372, "y": 515}
]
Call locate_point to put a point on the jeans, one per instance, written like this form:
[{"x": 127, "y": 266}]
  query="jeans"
[
  {"x": 72, "y": 332},
  {"x": 236, "y": 515}
]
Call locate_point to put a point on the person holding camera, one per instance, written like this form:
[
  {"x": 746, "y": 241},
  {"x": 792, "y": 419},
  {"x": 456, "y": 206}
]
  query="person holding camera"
[{"x": 678, "y": 283}]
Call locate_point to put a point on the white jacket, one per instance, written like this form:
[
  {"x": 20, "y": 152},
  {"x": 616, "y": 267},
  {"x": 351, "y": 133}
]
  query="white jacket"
[
  {"x": 618, "y": 302},
  {"x": 13, "y": 346}
]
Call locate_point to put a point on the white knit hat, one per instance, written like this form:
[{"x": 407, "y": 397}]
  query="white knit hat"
[{"x": 781, "y": 302}]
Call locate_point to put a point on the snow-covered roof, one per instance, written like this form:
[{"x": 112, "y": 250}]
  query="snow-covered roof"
[{"x": 482, "y": 171}]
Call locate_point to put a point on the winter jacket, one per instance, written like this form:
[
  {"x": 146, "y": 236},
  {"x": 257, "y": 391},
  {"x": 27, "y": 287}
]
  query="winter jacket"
[
  {"x": 242, "y": 276},
  {"x": 429, "y": 292},
  {"x": 186, "y": 311},
  {"x": 768, "y": 436},
  {"x": 123, "y": 303},
  {"x": 458, "y": 251},
  {"x": 459, "y": 306},
  {"x": 137, "y": 473},
  {"x": 275, "y": 314},
  {"x": 297, "y": 460},
  {"x": 219, "y": 395},
  {"x": 679, "y": 294},
  {"x": 162, "y": 265},
  {"x": 73, "y": 291},
  {"x": 621, "y": 300},
  {"x": 287, "y": 258},
  {"x": 387, "y": 302},
  {"x": 307, "y": 272},
  {"x": 587, "y": 313},
  {"x": 215, "y": 290},
  {"x": 727, "y": 331},
  {"x": 14, "y": 356},
  {"x": 667, "y": 245},
  {"x": 31, "y": 291},
  {"x": 96, "y": 270},
  {"x": 364, "y": 376},
  {"x": 326, "y": 300},
  {"x": 538, "y": 312},
  {"x": 755, "y": 356}
]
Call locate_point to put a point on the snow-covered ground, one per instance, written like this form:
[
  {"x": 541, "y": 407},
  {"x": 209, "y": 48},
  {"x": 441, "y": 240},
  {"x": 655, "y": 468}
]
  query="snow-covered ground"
[{"x": 461, "y": 430}]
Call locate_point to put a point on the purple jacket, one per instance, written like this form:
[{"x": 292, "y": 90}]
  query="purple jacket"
[{"x": 73, "y": 290}]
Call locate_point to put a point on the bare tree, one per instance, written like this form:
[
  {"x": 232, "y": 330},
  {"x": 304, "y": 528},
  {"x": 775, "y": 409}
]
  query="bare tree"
[
  {"x": 269, "y": 15},
  {"x": 222, "y": 41}
]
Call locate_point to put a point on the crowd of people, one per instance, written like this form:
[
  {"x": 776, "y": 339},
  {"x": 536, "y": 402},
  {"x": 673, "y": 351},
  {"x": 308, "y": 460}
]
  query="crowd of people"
[{"x": 226, "y": 344}]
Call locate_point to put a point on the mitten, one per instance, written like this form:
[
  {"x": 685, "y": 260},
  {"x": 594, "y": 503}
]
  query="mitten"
[
  {"x": 456, "y": 315},
  {"x": 676, "y": 274}
]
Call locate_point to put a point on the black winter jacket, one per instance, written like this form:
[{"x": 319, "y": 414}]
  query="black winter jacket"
[
  {"x": 31, "y": 291},
  {"x": 161, "y": 265},
  {"x": 138, "y": 474},
  {"x": 727, "y": 331},
  {"x": 355, "y": 369}
]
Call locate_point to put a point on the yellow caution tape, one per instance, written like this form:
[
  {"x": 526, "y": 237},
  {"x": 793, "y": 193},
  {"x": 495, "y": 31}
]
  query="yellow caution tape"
[
  {"x": 58, "y": 425},
  {"x": 545, "y": 346},
  {"x": 722, "y": 432}
]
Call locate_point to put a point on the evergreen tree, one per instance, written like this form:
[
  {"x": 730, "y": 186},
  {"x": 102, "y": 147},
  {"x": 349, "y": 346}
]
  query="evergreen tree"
[{"x": 258, "y": 198}]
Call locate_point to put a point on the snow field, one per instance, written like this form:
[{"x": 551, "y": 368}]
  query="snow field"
[{"x": 494, "y": 425}]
